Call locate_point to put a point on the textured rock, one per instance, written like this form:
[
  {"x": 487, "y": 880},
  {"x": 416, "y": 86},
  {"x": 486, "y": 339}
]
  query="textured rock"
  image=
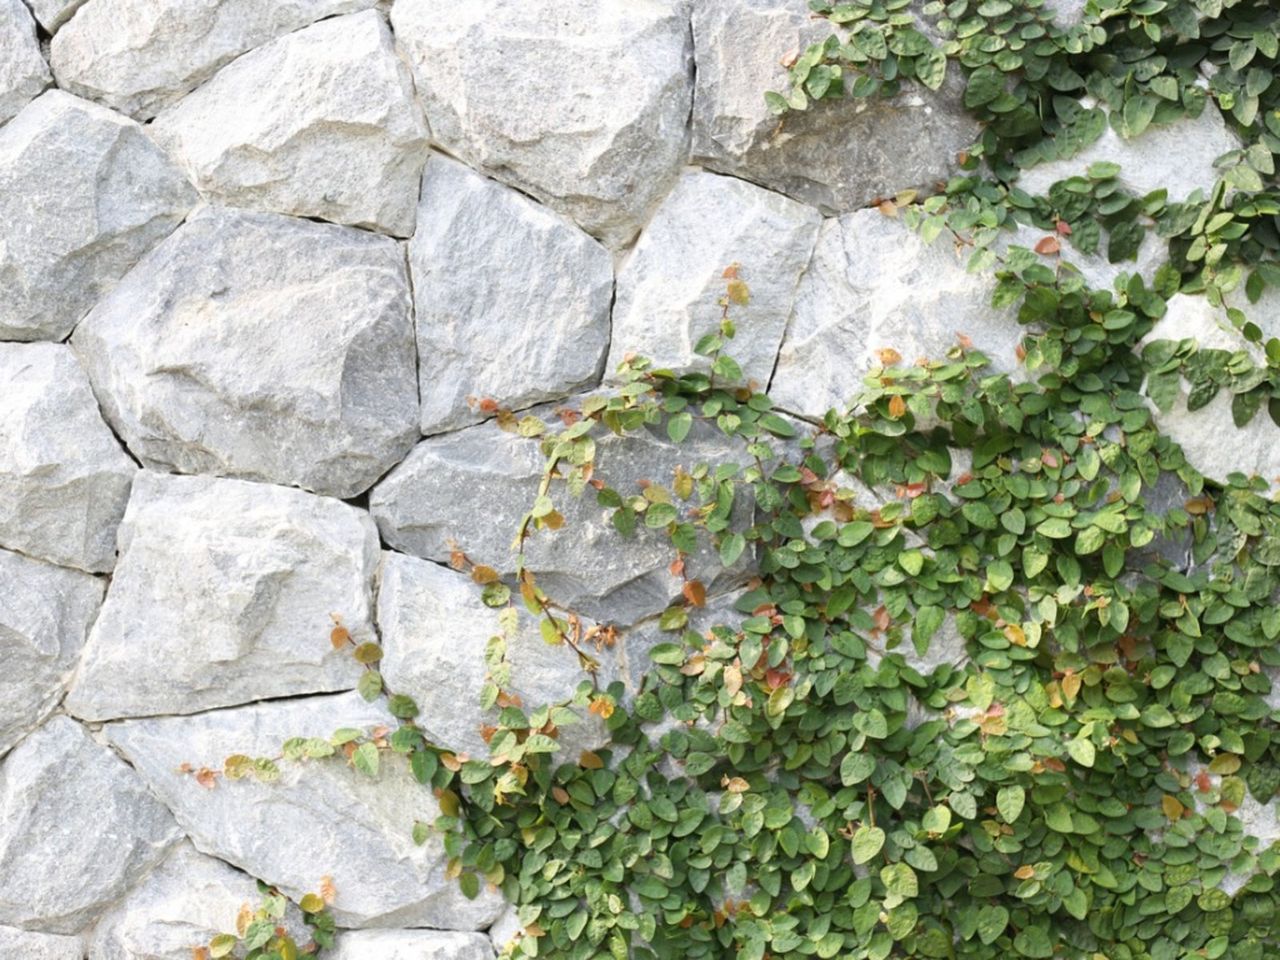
[
  {"x": 838, "y": 156},
  {"x": 263, "y": 347},
  {"x": 581, "y": 103},
  {"x": 470, "y": 486},
  {"x": 223, "y": 595},
  {"x": 140, "y": 57},
  {"x": 53, "y": 13},
  {"x": 45, "y": 612},
  {"x": 637, "y": 641},
  {"x": 24, "y": 945},
  {"x": 184, "y": 903},
  {"x": 435, "y": 630},
  {"x": 320, "y": 123},
  {"x": 63, "y": 478},
  {"x": 69, "y": 802},
  {"x": 875, "y": 284},
  {"x": 320, "y": 818},
  {"x": 512, "y": 301},
  {"x": 83, "y": 195},
  {"x": 505, "y": 929},
  {"x": 1066, "y": 12},
  {"x": 670, "y": 289},
  {"x": 1177, "y": 157},
  {"x": 410, "y": 945},
  {"x": 23, "y": 72}
]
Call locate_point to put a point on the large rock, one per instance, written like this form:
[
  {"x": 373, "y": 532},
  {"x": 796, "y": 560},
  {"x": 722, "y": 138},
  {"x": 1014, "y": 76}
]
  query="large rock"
[
  {"x": 23, "y": 72},
  {"x": 838, "y": 155},
  {"x": 410, "y": 945},
  {"x": 45, "y": 613},
  {"x": 581, "y": 103},
  {"x": 470, "y": 487},
  {"x": 264, "y": 347},
  {"x": 671, "y": 287},
  {"x": 184, "y": 903},
  {"x": 512, "y": 300},
  {"x": 435, "y": 630},
  {"x": 140, "y": 57},
  {"x": 53, "y": 13},
  {"x": 874, "y": 284},
  {"x": 25, "y": 945},
  {"x": 64, "y": 480},
  {"x": 223, "y": 594},
  {"x": 320, "y": 818},
  {"x": 83, "y": 194},
  {"x": 319, "y": 123},
  {"x": 77, "y": 829}
]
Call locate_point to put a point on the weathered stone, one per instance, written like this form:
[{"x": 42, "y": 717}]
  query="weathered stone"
[
  {"x": 321, "y": 818},
  {"x": 53, "y": 13},
  {"x": 874, "y": 284},
  {"x": 671, "y": 287},
  {"x": 410, "y": 945},
  {"x": 83, "y": 195},
  {"x": 140, "y": 57},
  {"x": 64, "y": 480},
  {"x": 25, "y": 945},
  {"x": 581, "y": 103},
  {"x": 45, "y": 612},
  {"x": 461, "y": 487},
  {"x": 23, "y": 72},
  {"x": 505, "y": 929},
  {"x": 435, "y": 630},
  {"x": 512, "y": 300},
  {"x": 319, "y": 123},
  {"x": 264, "y": 347},
  {"x": 839, "y": 155},
  {"x": 184, "y": 903},
  {"x": 1177, "y": 157},
  {"x": 223, "y": 594},
  {"x": 77, "y": 829},
  {"x": 1065, "y": 12}
]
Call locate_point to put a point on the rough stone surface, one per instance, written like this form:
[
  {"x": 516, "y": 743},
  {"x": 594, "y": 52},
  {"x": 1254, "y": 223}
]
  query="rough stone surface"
[
  {"x": 1177, "y": 157},
  {"x": 1066, "y": 12},
  {"x": 411, "y": 945},
  {"x": 671, "y": 287},
  {"x": 25, "y": 945},
  {"x": 838, "y": 158},
  {"x": 319, "y": 123},
  {"x": 340, "y": 823},
  {"x": 435, "y": 630},
  {"x": 264, "y": 347},
  {"x": 140, "y": 57},
  {"x": 512, "y": 300},
  {"x": 874, "y": 284},
  {"x": 23, "y": 72},
  {"x": 83, "y": 194},
  {"x": 223, "y": 594},
  {"x": 67, "y": 800},
  {"x": 184, "y": 903},
  {"x": 63, "y": 478},
  {"x": 453, "y": 487},
  {"x": 581, "y": 103},
  {"x": 45, "y": 613},
  {"x": 53, "y": 13}
]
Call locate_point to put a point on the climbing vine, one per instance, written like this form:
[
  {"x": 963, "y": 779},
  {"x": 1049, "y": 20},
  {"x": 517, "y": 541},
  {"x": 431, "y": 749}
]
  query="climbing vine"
[{"x": 1065, "y": 781}]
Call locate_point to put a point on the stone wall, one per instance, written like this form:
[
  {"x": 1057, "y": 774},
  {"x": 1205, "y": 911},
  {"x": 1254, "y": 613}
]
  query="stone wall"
[{"x": 268, "y": 269}]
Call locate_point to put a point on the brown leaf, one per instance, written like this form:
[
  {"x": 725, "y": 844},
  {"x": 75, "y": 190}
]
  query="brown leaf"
[
  {"x": 328, "y": 892},
  {"x": 887, "y": 208},
  {"x": 695, "y": 593},
  {"x": 1048, "y": 246},
  {"x": 1071, "y": 684},
  {"x": 739, "y": 293},
  {"x": 897, "y": 407},
  {"x": 731, "y": 272},
  {"x": 339, "y": 636},
  {"x": 964, "y": 341},
  {"x": 561, "y": 795},
  {"x": 483, "y": 575},
  {"x": 207, "y": 778},
  {"x": 1172, "y": 807},
  {"x": 1063, "y": 228},
  {"x": 450, "y": 762},
  {"x": 199, "y": 953},
  {"x": 735, "y": 784},
  {"x": 888, "y": 356},
  {"x": 1198, "y": 506},
  {"x": 590, "y": 760},
  {"x": 1017, "y": 636},
  {"x": 1025, "y": 872},
  {"x": 732, "y": 679}
]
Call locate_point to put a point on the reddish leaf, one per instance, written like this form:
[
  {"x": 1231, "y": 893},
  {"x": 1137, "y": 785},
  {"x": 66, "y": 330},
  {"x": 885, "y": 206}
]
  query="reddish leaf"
[
  {"x": 1048, "y": 246},
  {"x": 695, "y": 593}
]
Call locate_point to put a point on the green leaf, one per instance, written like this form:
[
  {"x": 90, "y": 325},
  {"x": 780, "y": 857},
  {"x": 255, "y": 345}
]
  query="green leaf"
[
  {"x": 365, "y": 759},
  {"x": 867, "y": 842},
  {"x": 678, "y": 426},
  {"x": 1081, "y": 751},
  {"x": 1010, "y": 801}
]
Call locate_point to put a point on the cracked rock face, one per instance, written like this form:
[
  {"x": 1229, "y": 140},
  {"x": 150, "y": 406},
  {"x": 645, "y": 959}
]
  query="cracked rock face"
[
  {"x": 838, "y": 158},
  {"x": 23, "y": 72},
  {"x": 874, "y": 284},
  {"x": 83, "y": 194},
  {"x": 512, "y": 300},
  {"x": 516, "y": 88},
  {"x": 223, "y": 595},
  {"x": 671, "y": 287},
  {"x": 39, "y": 946},
  {"x": 53, "y": 13},
  {"x": 319, "y": 123},
  {"x": 67, "y": 800},
  {"x": 139, "y": 57},
  {"x": 338, "y": 822},
  {"x": 411, "y": 945},
  {"x": 45, "y": 613},
  {"x": 457, "y": 487},
  {"x": 64, "y": 480},
  {"x": 435, "y": 630},
  {"x": 260, "y": 346}
]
